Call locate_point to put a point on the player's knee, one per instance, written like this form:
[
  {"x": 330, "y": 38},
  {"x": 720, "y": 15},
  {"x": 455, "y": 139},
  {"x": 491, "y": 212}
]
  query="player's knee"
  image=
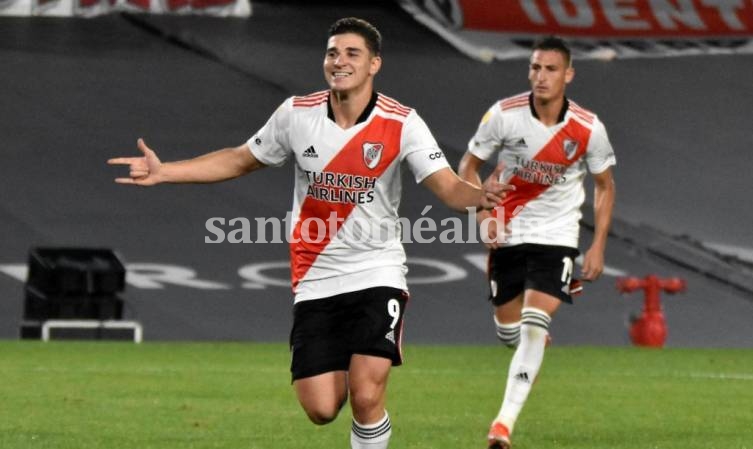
[
  {"x": 365, "y": 399},
  {"x": 508, "y": 333},
  {"x": 321, "y": 417},
  {"x": 321, "y": 414},
  {"x": 534, "y": 323}
]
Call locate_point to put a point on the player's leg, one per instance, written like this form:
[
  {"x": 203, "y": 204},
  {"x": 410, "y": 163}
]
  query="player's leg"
[
  {"x": 525, "y": 364},
  {"x": 376, "y": 341},
  {"x": 320, "y": 358},
  {"x": 507, "y": 275},
  {"x": 506, "y": 285},
  {"x": 322, "y": 396},
  {"x": 528, "y": 358},
  {"x": 548, "y": 275},
  {"x": 507, "y": 321},
  {"x": 368, "y": 384}
]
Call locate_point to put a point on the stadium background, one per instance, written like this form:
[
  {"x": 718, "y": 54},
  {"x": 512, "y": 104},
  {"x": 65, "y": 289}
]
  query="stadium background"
[{"x": 78, "y": 91}]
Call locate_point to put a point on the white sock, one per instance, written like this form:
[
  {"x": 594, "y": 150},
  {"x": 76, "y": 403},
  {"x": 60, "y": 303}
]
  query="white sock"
[
  {"x": 509, "y": 334},
  {"x": 525, "y": 364},
  {"x": 371, "y": 436}
]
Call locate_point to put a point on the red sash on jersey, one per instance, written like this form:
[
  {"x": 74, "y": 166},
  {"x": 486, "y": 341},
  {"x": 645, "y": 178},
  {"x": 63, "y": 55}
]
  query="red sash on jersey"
[
  {"x": 553, "y": 152},
  {"x": 350, "y": 159}
]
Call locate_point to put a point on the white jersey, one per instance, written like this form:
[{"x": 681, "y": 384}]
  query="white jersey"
[
  {"x": 546, "y": 165},
  {"x": 345, "y": 233}
]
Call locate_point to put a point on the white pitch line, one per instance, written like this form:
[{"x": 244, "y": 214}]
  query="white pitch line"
[{"x": 718, "y": 376}]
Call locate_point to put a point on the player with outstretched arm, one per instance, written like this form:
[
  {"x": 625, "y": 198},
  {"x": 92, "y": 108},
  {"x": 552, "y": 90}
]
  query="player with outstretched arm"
[{"x": 347, "y": 143}]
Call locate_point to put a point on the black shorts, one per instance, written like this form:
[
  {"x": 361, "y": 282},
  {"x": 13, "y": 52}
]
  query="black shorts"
[
  {"x": 328, "y": 331},
  {"x": 545, "y": 268}
]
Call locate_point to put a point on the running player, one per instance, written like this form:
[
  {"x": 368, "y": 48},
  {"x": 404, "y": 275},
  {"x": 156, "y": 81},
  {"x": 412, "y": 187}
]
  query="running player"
[
  {"x": 546, "y": 143},
  {"x": 347, "y": 262}
]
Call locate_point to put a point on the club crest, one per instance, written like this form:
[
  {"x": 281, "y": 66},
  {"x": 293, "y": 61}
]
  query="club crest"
[
  {"x": 372, "y": 154},
  {"x": 570, "y": 147}
]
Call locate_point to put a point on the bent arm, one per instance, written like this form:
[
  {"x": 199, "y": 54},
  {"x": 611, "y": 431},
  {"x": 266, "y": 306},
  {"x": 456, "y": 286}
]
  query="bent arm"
[
  {"x": 469, "y": 168},
  {"x": 604, "y": 197}
]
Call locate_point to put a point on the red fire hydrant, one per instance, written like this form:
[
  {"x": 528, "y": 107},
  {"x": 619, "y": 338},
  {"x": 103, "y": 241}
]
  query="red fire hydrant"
[{"x": 650, "y": 329}]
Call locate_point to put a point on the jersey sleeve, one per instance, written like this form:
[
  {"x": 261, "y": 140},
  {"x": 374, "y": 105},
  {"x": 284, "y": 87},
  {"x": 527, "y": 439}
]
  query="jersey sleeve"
[
  {"x": 419, "y": 148},
  {"x": 271, "y": 144},
  {"x": 600, "y": 154},
  {"x": 488, "y": 137}
]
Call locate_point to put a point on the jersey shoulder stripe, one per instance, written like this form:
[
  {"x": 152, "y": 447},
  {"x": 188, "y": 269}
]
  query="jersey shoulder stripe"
[
  {"x": 311, "y": 100},
  {"x": 583, "y": 114},
  {"x": 514, "y": 102},
  {"x": 392, "y": 106}
]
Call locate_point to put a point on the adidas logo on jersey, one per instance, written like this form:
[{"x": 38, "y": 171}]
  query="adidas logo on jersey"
[
  {"x": 522, "y": 377},
  {"x": 390, "y": 336},
  {"x": 310, "y": 152},
  {"x": 520, "y": 143}
]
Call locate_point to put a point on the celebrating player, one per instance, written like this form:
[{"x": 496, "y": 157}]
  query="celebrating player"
[
  {"x": 347, "y": 143},
  {"x": 546, "y": 142}
]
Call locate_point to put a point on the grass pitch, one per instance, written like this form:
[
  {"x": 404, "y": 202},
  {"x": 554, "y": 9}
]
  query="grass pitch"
[{"x": 95, "y": 395}]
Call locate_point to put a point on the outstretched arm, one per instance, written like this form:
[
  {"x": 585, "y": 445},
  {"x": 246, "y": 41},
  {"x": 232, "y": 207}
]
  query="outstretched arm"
[
  {"x": 604, "y": 194},
  {"x": 220, "y": 165}
]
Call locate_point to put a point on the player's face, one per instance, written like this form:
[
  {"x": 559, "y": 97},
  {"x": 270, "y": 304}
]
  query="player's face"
[
  {"x": 549, "y": 73},
  {"x": 348, "y": 63}
]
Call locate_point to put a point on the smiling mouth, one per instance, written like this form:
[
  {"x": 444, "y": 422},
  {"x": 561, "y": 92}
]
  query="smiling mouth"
[{"x": 337, "y": 75}]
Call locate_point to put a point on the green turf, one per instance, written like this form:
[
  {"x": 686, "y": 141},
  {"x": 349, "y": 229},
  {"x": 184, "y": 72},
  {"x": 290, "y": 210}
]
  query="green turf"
[{"x": 238, "y": 395}]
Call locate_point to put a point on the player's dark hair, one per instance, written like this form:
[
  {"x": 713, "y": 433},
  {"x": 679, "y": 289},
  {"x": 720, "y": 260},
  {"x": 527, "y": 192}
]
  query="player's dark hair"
[
  {"x": 553, "y": 43},
  {"x": 362, "y": 28}
]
